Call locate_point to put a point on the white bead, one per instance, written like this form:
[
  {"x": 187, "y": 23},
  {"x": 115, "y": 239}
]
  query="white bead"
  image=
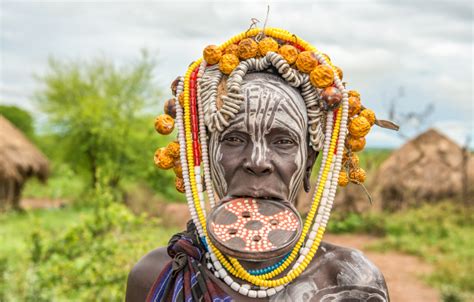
[
  {"x": 216, "y": 274},
  {"x": 228, "y": 280},
  {"x": 271, "y": 292},
  {"x": 309, "y": 242},
  {"x": 261, "y": 294},
  {"x": 222, "y": 273},
  {"x": 279, "y": 288},
  {"x": 252, "y": 293},
  {"x": 235, "y": 286},
  {"x": 217, "y": 265},
  {"x": 246, "y": 285},
  {"x": 243, "y": 291}
]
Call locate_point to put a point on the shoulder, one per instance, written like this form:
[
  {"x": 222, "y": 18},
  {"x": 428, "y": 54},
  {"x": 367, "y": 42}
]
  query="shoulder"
[
  {"x": 341, "y": 266},
  {"x": 144, "y": 274}
]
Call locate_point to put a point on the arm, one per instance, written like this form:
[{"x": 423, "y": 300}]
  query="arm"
[{"x": 144, "y": 274}]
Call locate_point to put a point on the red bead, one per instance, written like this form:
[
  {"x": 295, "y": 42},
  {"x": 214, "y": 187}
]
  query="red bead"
[{"x": 335, "y": 118}]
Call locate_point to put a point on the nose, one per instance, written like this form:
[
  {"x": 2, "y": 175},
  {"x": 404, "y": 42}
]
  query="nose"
[{"x": 258, "y": 168}]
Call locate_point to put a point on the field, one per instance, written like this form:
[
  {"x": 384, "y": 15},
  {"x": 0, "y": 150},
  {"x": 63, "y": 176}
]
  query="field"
[{"x": 84, "y": 249}]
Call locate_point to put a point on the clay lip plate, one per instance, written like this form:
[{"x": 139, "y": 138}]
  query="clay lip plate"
[{"x": 254, "y": 229}]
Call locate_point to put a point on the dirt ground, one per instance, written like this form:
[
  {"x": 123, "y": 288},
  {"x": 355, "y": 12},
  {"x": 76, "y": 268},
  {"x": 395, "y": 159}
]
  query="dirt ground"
[{"x": 402, "y": 272}]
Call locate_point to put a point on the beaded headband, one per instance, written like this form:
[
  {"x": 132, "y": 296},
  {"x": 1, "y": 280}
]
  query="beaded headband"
[{"x": 332, "y": 113}]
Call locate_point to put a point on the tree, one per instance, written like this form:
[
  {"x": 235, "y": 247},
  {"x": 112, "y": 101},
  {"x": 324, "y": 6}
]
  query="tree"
[
  {"x": 98, "y": 111},
  {"x": 22, "y": 119}
]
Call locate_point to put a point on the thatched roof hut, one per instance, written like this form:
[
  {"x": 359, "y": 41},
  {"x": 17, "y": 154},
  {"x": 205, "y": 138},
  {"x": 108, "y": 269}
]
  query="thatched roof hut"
[
  {"x": 430, "y": 167},
  {"x": 19, "y": 160}
]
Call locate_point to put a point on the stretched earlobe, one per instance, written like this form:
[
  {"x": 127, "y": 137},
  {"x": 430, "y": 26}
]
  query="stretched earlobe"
[{"x": 312, "y": 156}]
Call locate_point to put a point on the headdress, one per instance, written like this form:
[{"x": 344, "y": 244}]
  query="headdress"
[{"x": 337, "y": 126}]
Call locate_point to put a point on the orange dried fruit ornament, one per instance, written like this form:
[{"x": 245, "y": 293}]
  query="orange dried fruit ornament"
[
  {"x": 172, "y": 150},
  {"x": 228, "y": 63},
  {"x": 289, "y": 53},
  {"x": 352, "y": 158},
  {"x": 179, "y": 183},
  {"x": 343, "y": 180},
  {"x": 369, "y": 116},
  {"x": 306, "y": 61},
  {"x": 178, "y": 169},
  {"x": 162, "y": 159},
  {"x": 359, "y": 126},
  {"x": 353, "y": 93},
  {"x": 248, "y": 48},
  {"x": 355, "y": 144},
  {"x": 354, "y": 105},
  {"x": 322, "y": 76},
  {"x": 212, "y": 54},
  {"x": 339, "y": 72},
  {"x": 267, "y": 44},
  {"x": 357, "y": 175},
  {"x": 232, "y": 49},
  {"x": 164, "y": 124}
]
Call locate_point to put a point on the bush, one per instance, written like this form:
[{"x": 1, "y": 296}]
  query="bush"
[{"x": 86, "y": 261}]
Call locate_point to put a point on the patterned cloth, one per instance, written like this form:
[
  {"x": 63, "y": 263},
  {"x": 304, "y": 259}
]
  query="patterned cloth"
[{"x": 184, "y": 278}]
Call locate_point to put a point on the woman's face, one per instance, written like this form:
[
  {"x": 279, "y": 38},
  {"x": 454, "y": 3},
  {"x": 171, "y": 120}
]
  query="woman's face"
[{"x": 263, "y": 152}]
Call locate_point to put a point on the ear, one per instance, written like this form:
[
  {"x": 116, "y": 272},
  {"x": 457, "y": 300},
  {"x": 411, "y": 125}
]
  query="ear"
[{"x": 310, "y": 160}]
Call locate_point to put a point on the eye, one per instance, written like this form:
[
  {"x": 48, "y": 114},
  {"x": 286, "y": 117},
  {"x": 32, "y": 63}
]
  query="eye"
[
  {"x": 233, "y": 139},
  {"x": 284, "y": 141}
]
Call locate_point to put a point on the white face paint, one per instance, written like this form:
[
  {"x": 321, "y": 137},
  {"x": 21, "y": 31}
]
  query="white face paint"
[{"x": 266, "y": 143}]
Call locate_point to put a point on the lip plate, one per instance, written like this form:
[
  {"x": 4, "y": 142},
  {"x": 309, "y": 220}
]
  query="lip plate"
[{"x": 222, "y": 215}]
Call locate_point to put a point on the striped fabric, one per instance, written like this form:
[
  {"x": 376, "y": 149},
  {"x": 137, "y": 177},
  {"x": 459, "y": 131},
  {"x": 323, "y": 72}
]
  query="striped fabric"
[{"x": 184, "y": 279}]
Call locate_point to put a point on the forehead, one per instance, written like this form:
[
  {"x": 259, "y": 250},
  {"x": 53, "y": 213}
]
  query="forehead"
[{"x": 270, "y": 103}]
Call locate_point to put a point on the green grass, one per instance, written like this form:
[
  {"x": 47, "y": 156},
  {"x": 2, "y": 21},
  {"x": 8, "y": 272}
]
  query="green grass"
[
  {"x": 73, "y": 254},
  {"x": 63, "y": 183}
]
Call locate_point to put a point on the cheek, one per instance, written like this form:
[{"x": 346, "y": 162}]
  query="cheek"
[{"x": 286, "y": 164}]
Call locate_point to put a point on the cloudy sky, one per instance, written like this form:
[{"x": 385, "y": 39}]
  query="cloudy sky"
[{"x": 412, "y": 53}]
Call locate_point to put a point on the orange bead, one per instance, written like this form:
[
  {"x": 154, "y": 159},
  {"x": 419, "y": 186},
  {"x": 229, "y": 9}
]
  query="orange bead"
[
  {"x": 164, "y": 124},
  {"x": 332, "y": 96},
  {"x": 170, "y": 107}
]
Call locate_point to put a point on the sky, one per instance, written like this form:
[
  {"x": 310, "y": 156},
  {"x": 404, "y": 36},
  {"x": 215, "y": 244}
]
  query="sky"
[{"x": 411, "y": 54}]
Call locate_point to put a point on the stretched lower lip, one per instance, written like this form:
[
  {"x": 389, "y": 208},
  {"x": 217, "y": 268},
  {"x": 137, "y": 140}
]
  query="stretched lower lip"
[{"x": 253, "y": 197}]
